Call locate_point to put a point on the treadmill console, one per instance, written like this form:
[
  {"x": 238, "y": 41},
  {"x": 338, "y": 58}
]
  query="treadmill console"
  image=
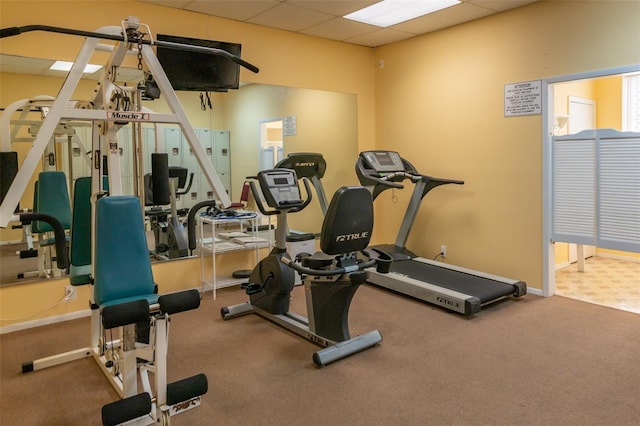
[
  {"x": 305, "y": 164},
  {"x": 280, "y": 188},
  {"x": 383, "y": 161}
]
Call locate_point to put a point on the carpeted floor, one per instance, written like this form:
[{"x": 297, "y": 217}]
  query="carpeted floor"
[{"x": 532, "y": 361}]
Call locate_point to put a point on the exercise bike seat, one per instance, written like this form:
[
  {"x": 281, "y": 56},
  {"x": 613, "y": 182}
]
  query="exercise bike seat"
[{"x": 318, "y": 260}]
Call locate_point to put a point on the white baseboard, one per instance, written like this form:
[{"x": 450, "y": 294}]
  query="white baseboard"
[
  {"x": 618, "y": 256},
  {"x": 603, "y": 254},
  {"x": 534, "y": 291},
  {"x": 562, "y": 265},
  {"x": 44, "y": 321}
]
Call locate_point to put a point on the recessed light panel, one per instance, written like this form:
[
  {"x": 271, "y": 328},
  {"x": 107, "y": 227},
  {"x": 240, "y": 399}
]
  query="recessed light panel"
[
  {"x": 391, "y": 12},
  {"x": 66, "y": 66}
]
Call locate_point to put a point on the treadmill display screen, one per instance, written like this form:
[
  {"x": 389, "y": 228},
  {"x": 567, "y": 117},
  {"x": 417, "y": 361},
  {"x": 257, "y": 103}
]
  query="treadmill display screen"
[
  {"x": 280, "y": 181},
  {"x": 384, "y": 161}
]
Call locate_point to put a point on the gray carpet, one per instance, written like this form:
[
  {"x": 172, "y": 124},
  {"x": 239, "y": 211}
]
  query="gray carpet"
[{"x": 533, "y": 361}]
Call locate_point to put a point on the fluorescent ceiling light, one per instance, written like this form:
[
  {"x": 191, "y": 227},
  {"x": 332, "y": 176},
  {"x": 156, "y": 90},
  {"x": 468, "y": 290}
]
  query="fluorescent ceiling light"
[
  {"x": 66, "y": 66},
  {"x": 391, "y": 12}
]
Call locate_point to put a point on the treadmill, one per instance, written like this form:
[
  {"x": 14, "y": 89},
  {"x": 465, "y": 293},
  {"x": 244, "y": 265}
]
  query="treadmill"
[{"x": 454, "y": 288}]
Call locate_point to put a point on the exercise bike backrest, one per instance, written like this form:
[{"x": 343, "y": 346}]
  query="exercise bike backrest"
[
  {"x": 346, "y": 229},
  {"x": 348, "y": 224}
]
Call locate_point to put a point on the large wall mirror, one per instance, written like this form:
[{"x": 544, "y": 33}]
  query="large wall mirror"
[{"x": 316, "y": 121}]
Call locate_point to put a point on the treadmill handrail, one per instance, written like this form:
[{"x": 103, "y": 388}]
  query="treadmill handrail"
[{"x": 390, "y": 180}]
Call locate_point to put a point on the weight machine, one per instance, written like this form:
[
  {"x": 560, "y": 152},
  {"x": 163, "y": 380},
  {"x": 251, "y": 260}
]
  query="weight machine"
[{"x": 125, "y": 297}]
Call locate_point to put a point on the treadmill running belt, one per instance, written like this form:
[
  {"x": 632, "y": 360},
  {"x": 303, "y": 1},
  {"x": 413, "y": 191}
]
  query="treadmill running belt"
[{"x": 485, "y": 289}]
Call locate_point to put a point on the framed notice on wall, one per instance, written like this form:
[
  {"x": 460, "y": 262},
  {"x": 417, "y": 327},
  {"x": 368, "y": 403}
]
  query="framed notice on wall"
[
  {"x": 289, "y": 126},
  {"x": 524, "y": 98}
]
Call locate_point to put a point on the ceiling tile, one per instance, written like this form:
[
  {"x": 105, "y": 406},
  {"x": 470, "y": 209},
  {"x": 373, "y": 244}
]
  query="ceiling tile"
[
  {"x": 290, "y": 17},
  {"x": 339, "y": 29},
  {"x": 379, "y": 38},
  {"x": 21, "y": 64},
  {"x": 500, "y": 5},
  {"x": 448, "y": 17},
  {"x": 179, "y": 4},
  {"x": 236, "y": 10}
]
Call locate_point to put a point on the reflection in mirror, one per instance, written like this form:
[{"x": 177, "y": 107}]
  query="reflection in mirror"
[{"x": 229, "y": 124}]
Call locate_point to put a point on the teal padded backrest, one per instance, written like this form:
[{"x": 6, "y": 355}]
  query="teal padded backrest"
[
  {"x": 122, "y": 265},
  {"x": 81, "y": 224},
  {"x": 51, "y": 197}
]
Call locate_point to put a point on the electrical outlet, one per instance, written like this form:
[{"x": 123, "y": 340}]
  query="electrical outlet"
[
  {"x": 70, "y": 293},
  {"x": 443, "y": 250}
]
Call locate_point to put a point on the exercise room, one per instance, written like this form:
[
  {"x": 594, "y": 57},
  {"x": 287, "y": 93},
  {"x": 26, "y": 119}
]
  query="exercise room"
[{"x": 289, "y": 212}]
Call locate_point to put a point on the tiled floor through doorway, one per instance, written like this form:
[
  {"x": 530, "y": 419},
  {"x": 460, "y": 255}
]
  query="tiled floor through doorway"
[{"x": 606, "y": 281}]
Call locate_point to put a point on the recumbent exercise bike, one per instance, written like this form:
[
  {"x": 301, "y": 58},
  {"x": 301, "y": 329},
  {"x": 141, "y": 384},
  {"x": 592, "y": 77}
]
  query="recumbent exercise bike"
[{"x": 331, "y": 277}]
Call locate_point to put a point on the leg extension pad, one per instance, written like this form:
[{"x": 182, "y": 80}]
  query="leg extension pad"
[
  {"x": 125, "y": 313},
  {"x": 179, "y": 302},
  {"x": 126, "y": 409},
  {"x": 185, "y": 389}
]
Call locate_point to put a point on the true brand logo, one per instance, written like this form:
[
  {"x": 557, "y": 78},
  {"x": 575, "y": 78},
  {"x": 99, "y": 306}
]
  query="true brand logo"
[
  {"x": 350, "y": 237},
  {"x": 448, "y": 302}
]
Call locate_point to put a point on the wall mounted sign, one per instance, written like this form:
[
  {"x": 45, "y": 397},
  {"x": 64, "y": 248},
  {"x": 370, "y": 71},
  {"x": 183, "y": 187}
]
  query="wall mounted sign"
[
  {"x": 289, "y": 126},
  {"x": 524, "y": 98}
]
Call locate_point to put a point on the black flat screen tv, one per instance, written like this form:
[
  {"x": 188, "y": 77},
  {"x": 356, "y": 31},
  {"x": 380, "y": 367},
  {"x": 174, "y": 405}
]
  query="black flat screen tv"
[{"x": 197, "y": 71}]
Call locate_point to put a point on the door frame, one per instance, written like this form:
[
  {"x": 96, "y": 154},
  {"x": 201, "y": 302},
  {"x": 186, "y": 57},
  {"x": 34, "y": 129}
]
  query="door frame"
[{"x": 548, "y": 249}]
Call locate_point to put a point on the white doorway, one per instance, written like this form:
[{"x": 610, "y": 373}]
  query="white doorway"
[
  {"x": 271, "y": 143},
  {"x": 582, "y": 114},
  {"x": 549, "y": 124}
]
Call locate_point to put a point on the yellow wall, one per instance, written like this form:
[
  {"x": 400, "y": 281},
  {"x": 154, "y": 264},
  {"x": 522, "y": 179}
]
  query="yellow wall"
[
  {"x": 438, "y": 100},
  {"x": 608, "y": 94}
]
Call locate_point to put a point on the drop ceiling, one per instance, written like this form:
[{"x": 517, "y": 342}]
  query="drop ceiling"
[
  {"x": 324, "y": 19},
  {"x": 319, "y": 18}
]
